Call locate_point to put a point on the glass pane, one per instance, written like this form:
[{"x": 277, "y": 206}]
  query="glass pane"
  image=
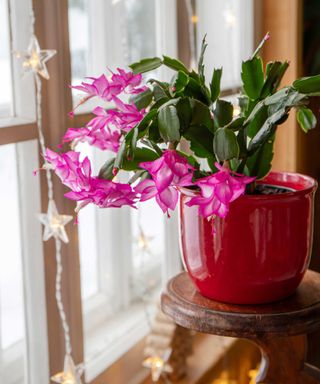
[
  {"x": 141, "y": 31},
  {"x": 108, "y": 34},
  {"x": 79, "y": 39},
  {"x": 88, "y": 241},
  {"x": 148, "y": 245},
  {"x": 5, "y": 62},
  {"x": 11, "y": 280},
  {"x": 12, "y": 316},
  {"x": 88, "y": 252},
  {"x": 228, "y": 25}
]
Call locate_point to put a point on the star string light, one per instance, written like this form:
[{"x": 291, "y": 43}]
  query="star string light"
[
  {"x": 224, "y": 379},
  {"x": 34, "y": 61},
  {"x": 159, "y": 366},
  {"x": 253, "y": 374},
  {"x": 143, "y": 240},
  {"x": 71, "y": 373},
  {"x": 34, "y": 58},
  {"x": 54, "y": 223}
]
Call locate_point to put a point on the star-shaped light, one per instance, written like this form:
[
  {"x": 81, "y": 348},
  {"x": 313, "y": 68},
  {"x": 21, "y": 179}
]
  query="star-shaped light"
[
  {"x": 224, "y": 379},
  {"x": 71, "y": 373},
  {"x": 253, "y": 374},
  {"x": 158, "y": 365},
  {"x": 34, "y": 59},
  {"x": 54, "y": 223},
  {"x": 143, "y": 241}
]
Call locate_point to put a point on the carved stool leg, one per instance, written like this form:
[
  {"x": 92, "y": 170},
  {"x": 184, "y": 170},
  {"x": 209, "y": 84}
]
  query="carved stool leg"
[{"x": 283, "y": 361}]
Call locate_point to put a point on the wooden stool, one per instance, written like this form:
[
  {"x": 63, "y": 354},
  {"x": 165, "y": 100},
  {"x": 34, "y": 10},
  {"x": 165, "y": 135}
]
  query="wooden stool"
[{"x": 279, "y": 329}]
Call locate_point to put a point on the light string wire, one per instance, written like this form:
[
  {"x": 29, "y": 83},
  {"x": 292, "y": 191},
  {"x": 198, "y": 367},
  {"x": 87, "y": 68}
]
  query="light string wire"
[
  {"x": 59, "y": 271},
  {"x": 62, "y": 314}
]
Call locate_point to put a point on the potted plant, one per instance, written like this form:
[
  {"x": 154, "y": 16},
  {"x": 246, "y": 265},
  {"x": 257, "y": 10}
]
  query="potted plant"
[{"x": 246, "y": 232}]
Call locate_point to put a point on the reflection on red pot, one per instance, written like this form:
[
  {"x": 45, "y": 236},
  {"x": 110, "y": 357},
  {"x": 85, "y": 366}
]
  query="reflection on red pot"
[{"x": 260, "y": 251}]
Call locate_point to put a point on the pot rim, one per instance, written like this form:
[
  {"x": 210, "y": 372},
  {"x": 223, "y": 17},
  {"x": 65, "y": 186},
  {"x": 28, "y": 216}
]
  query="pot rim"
[{"x": 312, "y": 186}]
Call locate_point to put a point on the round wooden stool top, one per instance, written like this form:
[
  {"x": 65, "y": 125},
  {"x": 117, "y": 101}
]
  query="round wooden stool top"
[{"x": 298, "y": 314}]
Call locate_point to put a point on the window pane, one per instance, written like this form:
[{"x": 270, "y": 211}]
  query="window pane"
[
  {"x": 228, "y": 26},
  {"x": 148, "y": 246},
  {"x": 5, "y": 62},
  {"x": 148, "y": 235},
  {"x": 109, "y": 34},
  {"x": 88, "y": 240},
  {"x": 88, "y": 252},
  {"x": 11, "y": 278},
  {"x": 79, "y": 39},
  {"x": 141, "y": 32}
]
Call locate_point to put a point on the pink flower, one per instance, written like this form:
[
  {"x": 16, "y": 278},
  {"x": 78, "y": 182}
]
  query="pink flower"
[
  {"x": 166, "y": 199},
  {"x": 168, "y": 172},
  {"x": 97, "y": 132},
  {"x": 72, "y": 172},
  {"x": 218, "y": 191},
  {"x": 100, "y": 87},
  {"x": 106, "y": 88},
  {"x": 127, "y": 116},
  {"x": 105, "y": 139},
  {"x": 105, "y": 194},
  {"x": 85, "y": 188},
  {"x": 123, "y": 117},
  {"x": 128, "y": 81}
]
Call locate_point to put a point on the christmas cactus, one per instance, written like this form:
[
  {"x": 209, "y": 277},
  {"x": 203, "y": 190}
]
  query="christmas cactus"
[{"x": 149, "y": 129}]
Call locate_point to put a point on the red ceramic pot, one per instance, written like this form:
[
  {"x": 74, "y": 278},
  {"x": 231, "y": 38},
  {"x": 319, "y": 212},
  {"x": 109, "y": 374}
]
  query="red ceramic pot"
[{"x": 260, "y": 251}]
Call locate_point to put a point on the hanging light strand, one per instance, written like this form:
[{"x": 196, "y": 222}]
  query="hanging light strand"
[
  {"x": 40, "y": 133},
  {"x": 34, "y": 61},
  {"x": 32, "y": 17},
  {"x": 62, "y": 313}
]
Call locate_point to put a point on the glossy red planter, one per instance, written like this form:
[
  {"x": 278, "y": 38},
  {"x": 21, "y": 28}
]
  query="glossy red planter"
[{"x": 260, "y": 251}]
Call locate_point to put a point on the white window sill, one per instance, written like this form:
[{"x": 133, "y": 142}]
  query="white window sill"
[
  {"x": 14, "y": 121},
  {"x": 109, "y": 342},
  {"x": 12, "y": 371}
]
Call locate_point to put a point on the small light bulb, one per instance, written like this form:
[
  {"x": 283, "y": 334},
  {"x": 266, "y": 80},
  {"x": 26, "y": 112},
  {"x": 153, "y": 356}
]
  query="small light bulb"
[
  {"x": 194, "y": 19},
  {"x": 230, "y": 18},
  {"x": 236, "y": 111}
]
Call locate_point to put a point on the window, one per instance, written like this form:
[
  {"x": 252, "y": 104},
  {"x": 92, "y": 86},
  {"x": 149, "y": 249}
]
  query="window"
[
  {"x": 23, "y": 329},
  {"x": 116, "y": 291},
  {"x": 5, "y": 62},
  {"x": 22, "y": 304},
  {"x": 112, "y": 286},
  {"x": 230, "y": 37},
  {"x": 11, "y": 291}
]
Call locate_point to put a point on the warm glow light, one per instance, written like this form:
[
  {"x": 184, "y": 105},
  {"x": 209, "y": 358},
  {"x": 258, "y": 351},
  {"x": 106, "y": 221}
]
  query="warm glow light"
[
  {"x": 71, "y": 374},
  {"x": 34, "y": 59},
  {"x": 230, "y": 18},
  {"x": 64, "y": 379},
  {"x": 253, "y": 374},
  {"x": 236, "y": 110},
  {"x": 224, "y": 379},
  {"x": 158, "y": 365},
  {"x": 143, "y": 242},
  {"x": 54, "y": 223},
  {"x": 194, "y": 19}
]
